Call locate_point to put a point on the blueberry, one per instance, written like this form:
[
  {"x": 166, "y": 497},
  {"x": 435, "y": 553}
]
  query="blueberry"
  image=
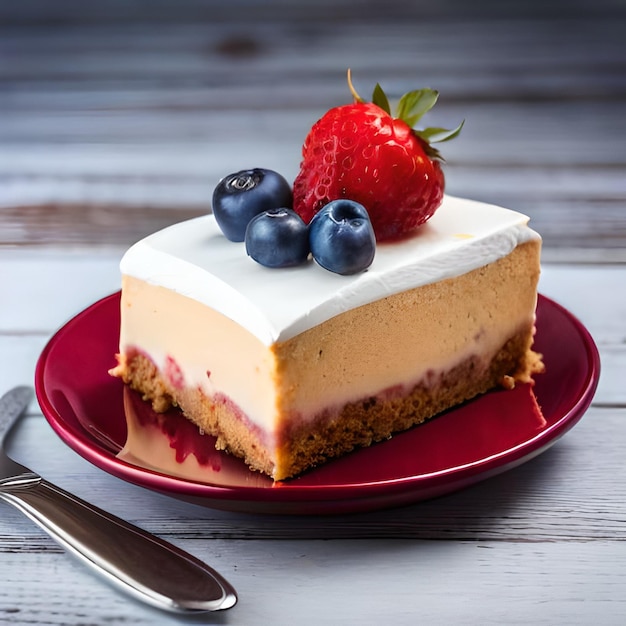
[
  {"x": 342, "y": 238},
  {"x": 240, "y": 196},
  {"x": 278, "y": 238}
]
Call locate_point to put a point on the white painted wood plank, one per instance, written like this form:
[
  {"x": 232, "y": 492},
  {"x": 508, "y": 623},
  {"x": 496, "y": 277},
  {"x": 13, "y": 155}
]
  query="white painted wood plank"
[
  {"x": 500, "y": 132},
  {"x": 176, "y": 165},
  {"x": 18, "y": 356},
  {"x": 178, "y": 174},
  {"x": 596, "y": 295},
  {"x": 125, "y": 11},
  {"x": 352, "y": 582},
  {"x": 43, "y": 289},
  {"x": 557, "y": 47}
]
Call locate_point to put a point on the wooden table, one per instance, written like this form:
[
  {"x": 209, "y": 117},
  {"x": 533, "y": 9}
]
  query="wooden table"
[{"x": 119, "y": 119}]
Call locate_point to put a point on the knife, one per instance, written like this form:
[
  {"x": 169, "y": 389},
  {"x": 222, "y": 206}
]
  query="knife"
[{"x": 142, "y": 564}]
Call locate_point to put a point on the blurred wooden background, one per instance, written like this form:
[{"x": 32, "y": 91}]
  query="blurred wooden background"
[{"x": 118, "y": 117}]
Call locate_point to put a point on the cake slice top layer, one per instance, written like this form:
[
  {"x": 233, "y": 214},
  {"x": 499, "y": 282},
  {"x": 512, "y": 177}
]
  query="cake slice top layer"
[{"x": 194, "y": 259}]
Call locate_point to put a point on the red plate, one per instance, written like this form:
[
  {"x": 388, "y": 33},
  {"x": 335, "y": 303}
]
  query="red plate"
[{"x": 484, "y": 437}]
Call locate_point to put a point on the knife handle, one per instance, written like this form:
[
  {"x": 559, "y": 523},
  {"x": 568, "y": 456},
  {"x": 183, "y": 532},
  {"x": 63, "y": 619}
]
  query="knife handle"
[{"x": 144, "y": 565}]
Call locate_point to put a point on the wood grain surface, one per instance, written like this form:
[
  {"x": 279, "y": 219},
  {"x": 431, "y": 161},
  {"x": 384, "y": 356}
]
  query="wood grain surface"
[{"x": 119, "y": 117}]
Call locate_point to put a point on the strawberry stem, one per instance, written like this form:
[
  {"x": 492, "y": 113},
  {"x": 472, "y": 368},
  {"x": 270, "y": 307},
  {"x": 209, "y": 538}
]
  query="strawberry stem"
[{"x": 353, "y": 91}]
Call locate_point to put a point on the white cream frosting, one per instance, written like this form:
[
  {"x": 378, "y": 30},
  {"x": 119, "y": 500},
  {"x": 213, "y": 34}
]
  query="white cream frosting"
[{"x": 194, "y": 259}]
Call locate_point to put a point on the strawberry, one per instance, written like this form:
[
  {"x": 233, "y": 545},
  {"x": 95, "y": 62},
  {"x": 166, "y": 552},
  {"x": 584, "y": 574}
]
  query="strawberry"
[{"x": 361, "y": 152}]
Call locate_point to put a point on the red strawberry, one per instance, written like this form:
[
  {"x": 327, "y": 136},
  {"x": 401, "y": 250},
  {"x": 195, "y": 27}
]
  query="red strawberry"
[{"x": 359, "y": 151}]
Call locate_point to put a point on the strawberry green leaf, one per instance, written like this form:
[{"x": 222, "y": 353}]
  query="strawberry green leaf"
[
  {"x": 438, "y": 135},
  {"x": 379, "y": 98},
  {"x": 414, "y": 104}
]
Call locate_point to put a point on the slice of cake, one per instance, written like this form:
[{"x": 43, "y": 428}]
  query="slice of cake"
[
  {"x": 392, "y": 303},
  {"x": 291, "y": 367}
]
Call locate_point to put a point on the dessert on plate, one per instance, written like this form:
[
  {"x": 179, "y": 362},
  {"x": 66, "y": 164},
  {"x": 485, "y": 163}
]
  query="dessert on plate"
[{"x": 296, "y": 324}]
